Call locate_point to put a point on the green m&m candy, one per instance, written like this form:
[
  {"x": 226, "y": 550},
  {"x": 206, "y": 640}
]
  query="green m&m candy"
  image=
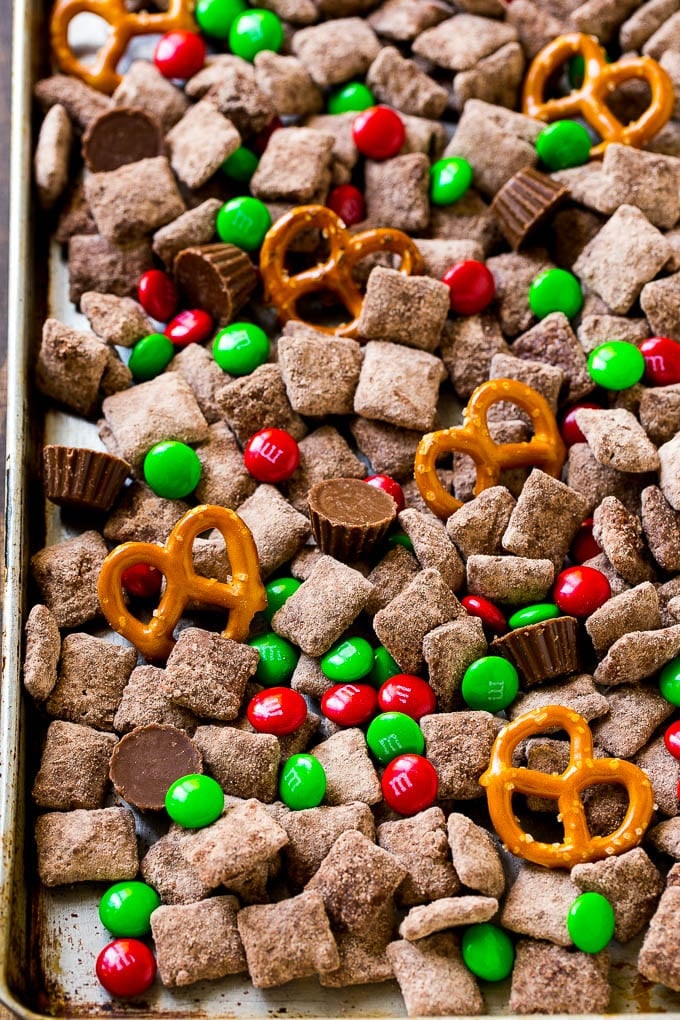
[
  {"x": 449, "y": 180},
  {"x": 394, "y": 733},
  {"x": 488, "y": 952},
  {"x": 534, "y": 614},
  {"x": 348, "y": 660},
  {"x": 351, "y": 98},
  {"x": 669, "y": 682},
  {"x": 278, "y": 659},
  {"x": 243, "y": 221},
  {"x": 555, "y": 290},
  {"x": 125, "y": 909},
  {"x": 150, "y": 356},
  {"x": 241, "y": 165},
  {"x": 490, "y": 684},
  {"x": 194, "y": 801},
  {"x": 241, "y": 348},
  {"x": 400, "y": 538},
  {"x": 616, "y": 365},
  {"x": 591, "y": 922},
  {"x": 172, "y": 469},
  {"x": 278, "y": 592},
  {"x": 215, "y": 17},
  {"x": 254, "y": 31},
  {"x": 302, "y": 783},
  {"x": 384, "y": 666},
  {"x": 563, "y": 144}
]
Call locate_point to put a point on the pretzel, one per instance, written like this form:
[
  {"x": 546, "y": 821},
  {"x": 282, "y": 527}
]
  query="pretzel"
[
  {"x": 502, "y": 781},
  {"x": 124, "y": 26},
  {"x": 243, "y": 596},
  {"x": 335, "y": 274},
  {"x": 600, "y": 80},
  {"x": 545, "y": 449}
]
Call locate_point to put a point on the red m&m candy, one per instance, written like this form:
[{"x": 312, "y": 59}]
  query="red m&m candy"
[
  {"x": 378, "y": 132},
  {"x": 192, "y": 326},
  {"x": 409, "y": 784},
  {"x": 408, "y": 694},
  {"x": 472, "y": 286},
  {"x": 142, "y": 580},
  {"x": 671, "y": 739},
  {"x": 126, "y": 967},
  {"x": 348, "y": 203},
  {"x": 271, "y": 455},
  {"x": 662, "y": 360},
  {"x": 489, "y": 614},
  {"x": 571, "y": 433},
  {"x": 389, "y": 486},
  {"x": 579, "y": 591},
  {"x": 277, "y": 710},
  {"x": 180, "y": 54},
  {"x": 584, "y": 547},
  {"x": 157, "y": 294},
  {"x": 350, "y": 704}
]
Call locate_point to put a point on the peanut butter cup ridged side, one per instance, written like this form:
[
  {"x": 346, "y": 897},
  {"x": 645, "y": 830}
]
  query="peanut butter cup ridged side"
[
  {"x": 349, "y": 517},
  {"x": 217, "y": 277}
]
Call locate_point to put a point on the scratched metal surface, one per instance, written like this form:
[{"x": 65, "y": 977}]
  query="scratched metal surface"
[{"x": 49, "y": 939}]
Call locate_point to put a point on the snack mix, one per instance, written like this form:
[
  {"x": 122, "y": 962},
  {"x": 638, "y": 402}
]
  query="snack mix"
[{"x": 380, "y": 329}]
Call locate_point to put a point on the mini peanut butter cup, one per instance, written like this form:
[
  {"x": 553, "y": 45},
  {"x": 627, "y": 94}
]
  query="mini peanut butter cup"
[
  {"x": 524, "y": 202},
  {"x": 216, "y": 277},
  {"x": 148, "y": 760},
  {"x": 542, "y": 651},
  {"x": 77, "y": 477},
  {"x": 119, "y": 136},
  {"x": 349, "y": 517}
]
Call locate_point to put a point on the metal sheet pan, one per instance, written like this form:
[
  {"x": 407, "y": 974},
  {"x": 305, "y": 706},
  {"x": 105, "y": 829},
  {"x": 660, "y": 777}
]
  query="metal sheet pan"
[{"x": 49, "y": 939}]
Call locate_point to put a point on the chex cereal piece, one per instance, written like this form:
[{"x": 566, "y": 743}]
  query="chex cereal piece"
[
  {"x": 402, "y": 84},
  {"x": 350, "y": 775},
  {"x": 118, "y": 320},
  {"x": 535, "y": 25},
  {"x": 308, "y": 678},
  {"x": 42, "y": 651},
  {"x": 389, "y": 449},
  {"x": 324, "y": 454},
  {"x": 630, "y": 882},
  {"x": 93, "y": 674},
  {"x": 476, "y": 857},
  {"x": 408, "y": 310},
  {"x": 403, "y": 20},
  {"x": 52, "y": 152},
  {"x": 390, "y": 576},
  {"x": 420, "y": 845},
  {"x": 95, "y": 263},
  {"x": 659, "y": 959},
  {"x": 397, "y": 192},
  {"x": 86, "y": 846},
  {"x": 597, "y": 329},
  {"x": 661, "y": 527},
  {"x": 633, "y": 610},
  {"x": 666, "y": 837},
  {"x": 197, "y": 367},
  {"x": 550, "y": 979},
  {"x": 74, "y": 216},
  {"x": 134, "y": 200},
  {"x": 336, "y": 51},
  {"x": 574, "y": 228},
  {"x": 645, "y": 179},
  {"x": 322, "y": 608},
  {"x": 141, "y": 516},
  {"x": 398, "y": 385},
  {"x": 596, "y": 482},
  {"x": 625, "y": 255},
  {"x": 238, "y": 841},
  {"x": 635, "y": 711},
  {"x": 495, "y": 79},
  {"x": 277, "y": 528},
  {"x": 545, "y": 519},
  {"x": 669, "y": 480},
  {"x": 617, "y": 583},
  {"x": 663, "y": 772},
  {"x": 237, "y": 96},
  {"x": 145, "y": 701},
  {"x": 578, "y": 693},
  {"x": 448, "y": 651},
  {"x": 66, "y": 575},
  {"x": 197, "y": 941},
  {"x": 199, "y": 143},
  {"x": 538, "y": 904},
  {"x": 194, "y": 227},
  {"x": 433, "y": 979},
  {"x": 478, "y": 526},
  {"x": 207, "y": 673},
  {"x": 426, "y": 603},
  {"x": 468, "y": 219},
  {"x": 224, "y": 478},
  {"x": 546, "y": 379},
  {"x": 363, "y": 957},
  {"x": 269, "y": 931},
  {"x": 658, "y": 300},
  {"x": 309, "y": 391},
  {"x": 515, "y": 580},
  {"x": 552, "y": 340},
  {"x": 440, "y": 254},
  {"x": 354, "y": 879},
  {"x": 162, "y": 409},
  {"x": 619, "y": 535},
  {"x": 460, "y": 42},
  {"x": 617, "y": 440},
  {"x": 295, "y": 166},
  {"x": 459, "y": 744},
  {"x": 144, "y": 87},
  {"x": 288, "y": 84},
  {"x": 660, "y": 412},
  {"x": 432, "y": 546},
  {"x": 165, "y": 868},
  {"x": 313, "y": 831},
  {"x": 70, "y": 366},
  {"x": 244, "y": 764},
  {"x": 259, "y": 401},
  {"x": 74, "y": 768},
  {"x": 81, "y": 102},
  {"x": 663, "y": 38},
  {"x": 450, "y": 912}
]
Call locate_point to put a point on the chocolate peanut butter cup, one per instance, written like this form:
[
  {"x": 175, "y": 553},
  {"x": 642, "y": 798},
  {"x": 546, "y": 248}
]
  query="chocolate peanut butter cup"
[
  {"x": 349, "y": 517},
  {"x": 524, "y": 202},
  {"x": 217, "y": 277},
  {"x": 77, "y": 477},
  {"x": 542, "y": 651},
  {"x": 148, "y": 760},
  {"x": 119, "y": 136}
]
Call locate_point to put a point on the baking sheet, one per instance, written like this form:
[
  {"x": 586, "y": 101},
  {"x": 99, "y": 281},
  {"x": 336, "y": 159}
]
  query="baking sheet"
[{"x": 49, "y": 939}]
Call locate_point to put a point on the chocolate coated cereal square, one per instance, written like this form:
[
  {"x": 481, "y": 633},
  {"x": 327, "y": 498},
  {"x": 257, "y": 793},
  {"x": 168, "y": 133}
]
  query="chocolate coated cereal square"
[
  {"x": 295, "y": 166},
  {"x": 70, "y": 366},
  {"x": 550, "y": 979},
  {"x": 350, "y": 775},
  {"x": 144, "y": 701},
  {"x": 42, "y": 651},
  {"x": 86, "y": 846},
  {"x": 259, "y": 401},
  {"x": 133, "y": 200},
  {"x": 311, "y": 392},
  {"x": 165, "y": 868},
  {"x": 93, "y": 674},
  {"x": 74, "y": 768},
  {"x": 66, "y": 575},
  {"x": 398, "y": 385},
  {"x": 207, "y": 673},
  {"x": 313, "y": 831},
  {"x": 336, "y": 51},
  {"x": 410, "y": 310},
  {"x": 419, "y": 844},
  {"x": 244, "y": 764},
  {"x": 432, "y": 977},
  {"x": 199, "y": 143},
  {"x": 244, "y": 837},
  {"x": 476, "y": 857},
  {"x": 197, "y": 941},
  {"x": 459, "y": 744},
  {"x": 397, "y": 193},
  {"x": 630, "y": 882}
]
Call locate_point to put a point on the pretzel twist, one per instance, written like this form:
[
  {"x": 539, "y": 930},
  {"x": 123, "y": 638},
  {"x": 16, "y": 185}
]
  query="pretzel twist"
[
  {"x": 599, "y": 81},
  {"x": 502, "y": 781},
  {"x": 124, "y": 24},
  {"x": 243, "y": 596},
  {"x": 284, "y": 289},
  {"x": 545, "y": 449}
]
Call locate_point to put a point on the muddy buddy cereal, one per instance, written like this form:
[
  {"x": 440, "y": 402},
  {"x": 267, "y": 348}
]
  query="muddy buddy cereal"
[{"x": 381, "y": 339}]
